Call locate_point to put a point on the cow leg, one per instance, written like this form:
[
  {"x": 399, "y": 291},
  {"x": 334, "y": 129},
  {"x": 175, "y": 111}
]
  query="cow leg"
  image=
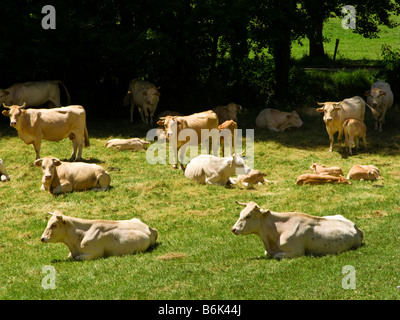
[
  {"x": 75, "y": 148},
  {"x": 132, "y": 110},
  {"x": 331, "y": 139},
  {"x": 146, "y": 115},
  {"x": 36, "y": 146},
  {"x": 63, "y": 188},
  {"x": 142, "y": 114},
  {"x": 340, "y": 138},
  {"x": 103, "y": 182}
]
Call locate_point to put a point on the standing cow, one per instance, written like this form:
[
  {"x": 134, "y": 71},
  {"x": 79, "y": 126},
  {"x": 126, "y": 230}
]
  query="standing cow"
[
  {"x": 34, "y": 94},
  {"x": 145, "y": 96},
  {"x": 335, "y": 113},
  {"x": 353, "y": 131},
  {"x": 35, "y": 125},
  {"x": 278, "y": 121},
  {"x": 380, "y": 97},
  {"x": 195, "y": 123},
  {"x": 228, "y": 112}
]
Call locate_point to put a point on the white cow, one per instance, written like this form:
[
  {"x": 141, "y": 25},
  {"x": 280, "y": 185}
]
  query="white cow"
[
  {"x": 134, "y": 144},
  {"x": 380, "y": 97},
  {"x": 93, "y": 239},
  {"x": 3, "y": 172},
  {"x": 335, "y": 113},
  {"x": 293, "y": 234},
  {"x": 145, "y": 96},
  {"x": 34, "y": 94},
  {"x": 278, "y": 121},
  {"x": 209, "y": 169},
  {"x": 60, "y": 177}
]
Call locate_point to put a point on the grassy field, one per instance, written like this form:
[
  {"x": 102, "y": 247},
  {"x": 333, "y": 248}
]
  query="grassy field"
[{"x": 197, "y": 256}]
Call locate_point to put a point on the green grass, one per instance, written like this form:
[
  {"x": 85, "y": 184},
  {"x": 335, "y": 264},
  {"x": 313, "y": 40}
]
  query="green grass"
[
  {"x": 197, "y": 256},
  {"x": 352, "y": 46}
]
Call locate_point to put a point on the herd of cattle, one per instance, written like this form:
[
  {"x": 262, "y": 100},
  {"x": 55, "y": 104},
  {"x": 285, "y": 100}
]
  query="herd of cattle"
[{"x": 289, "y": 234}]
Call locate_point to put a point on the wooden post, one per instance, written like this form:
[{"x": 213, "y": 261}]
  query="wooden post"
[{"x": 336, "y": 47}]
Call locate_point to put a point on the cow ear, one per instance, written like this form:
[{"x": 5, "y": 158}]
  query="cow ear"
[
  {"x": 38, "y": 162},
  {"x": 382, "y": 94},
  {"x": 320, "y": 110},
  {"x": 56, "y": 162},
  {"x": 60, "y": 218},
  {"x": 241, "y": 203},
  {"x": 6, "y": 93},
  {"x": 160, "y": 122},
  {"x": 6, "y": 113},
  {"x": 367, "y": 93}
]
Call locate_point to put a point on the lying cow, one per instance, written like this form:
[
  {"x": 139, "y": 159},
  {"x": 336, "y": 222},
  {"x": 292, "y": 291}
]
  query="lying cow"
[
  {"x": 93, "y": 239},
  {"x": 228, "y": 112},
  {"x": 144, "y": 96},
  {"x": 354, "y": 130},
  {"x": 195, "y": 123},
  {"x": 278, "y": 121},
  {"x": 332, "y": 171},
  {"x": 35, "y": 125},
  {"x": 3, "y": 172},
  {"x": 380, "y": 97},
  {"x": 228, "y": 132},
  {"x": 254, "y": 177},
  {"x": 208, "y": 169},
  {"x": 61, "y": 177},
  {"x": 364, "y": 172},
  {"x": 34, "y": 94},
  {"x": 134, "y": 144},
  {"x": 294, "y": 234},
  {"x": 313, "y": 179},
  {"x": 335, "y": 113}
]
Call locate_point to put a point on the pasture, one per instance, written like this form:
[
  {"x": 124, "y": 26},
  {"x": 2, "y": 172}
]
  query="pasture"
[{"x": 197, "y": 256}]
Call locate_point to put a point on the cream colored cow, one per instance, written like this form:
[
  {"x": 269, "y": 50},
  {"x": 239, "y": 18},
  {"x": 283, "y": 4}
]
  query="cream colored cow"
[
  {"x": 61, "y": 177},
  {"x": 133, "y": 144},
  {"x": 93, "y": 239},
  {"x": 278, "y": 121},
  {"x": 320, "y": 169},
  {"x": 293, "y": 234},
  {"x": 3, "y": 172},
  {"x": 228, "y": 112},
  {"x": 364, "y": 172},
  {"x": 313, "y": 179},
  {"x": 354, "y": 130},
  {"x": 228, "y": 133},
  {"x": 254, "y": 177}
]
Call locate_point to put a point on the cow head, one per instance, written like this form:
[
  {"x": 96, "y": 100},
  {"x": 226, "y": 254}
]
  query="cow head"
[
  {"x": 294, "y": 119},
  {"x": 329, "y": 109},
  {"x": 172, "y": 125},
  {"x": 237, "y": 162},
  {"x": 48, "y": 165},
  {"x": 375, "y": 96},
  {"x": 152, "y": 96},
  {"x": 56, "y": 228},
  {"x": 14, "y": 112},
  {"x": 250, "y": 219}
]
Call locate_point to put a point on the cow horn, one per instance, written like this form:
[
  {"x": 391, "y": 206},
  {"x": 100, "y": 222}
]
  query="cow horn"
[
  {"x": 7, "y": 107},
  {"x": 23, "y": 105},
  {"x": 50, "y": 213},
  {"x": 320, "y": 103},
  {"x": 241, "y": 203}
]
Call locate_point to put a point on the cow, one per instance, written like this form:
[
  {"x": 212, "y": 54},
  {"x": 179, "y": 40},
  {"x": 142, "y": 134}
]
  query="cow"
[
  {"x": 174, "y": 125},
  {"x": 278, "y": 121},
  {"x": 354, "y": 130},
  {"x": 254, "y": 177},
  {"x": 3, "y": 172},
  {"x": 209, "y": 169},
  {"x": 320, "y": 169},
  {"x": 364, "y": 172},
  {"x": 134, "y": 144},
  {"x": 228, "y": 112},
  {"x": 34, "y": 94},
  {"x": 294, "y": 234},
  {"x": 94, "y": 239},
  {"x": 35, "y": 125},
  {"x": 228, "y": 131},
  {"x": 380, "y": 98},
  {"x": 61, "y": 177},
  {"x": 313, "y": 179},
  {"x": 335, "y": 113},
  {"x": 145, "y": 96}
]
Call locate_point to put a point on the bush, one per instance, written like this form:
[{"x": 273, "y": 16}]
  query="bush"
[{"x": 391, "y": 71}]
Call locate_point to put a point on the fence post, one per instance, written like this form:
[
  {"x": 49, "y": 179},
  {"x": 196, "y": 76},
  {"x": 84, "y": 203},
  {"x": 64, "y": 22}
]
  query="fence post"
[{"x": 336, "y": 47}]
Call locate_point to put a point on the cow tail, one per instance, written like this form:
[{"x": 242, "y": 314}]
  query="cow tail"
[
  {"x": 86, "y": 137},
  {"x": 66, "y": 91}
]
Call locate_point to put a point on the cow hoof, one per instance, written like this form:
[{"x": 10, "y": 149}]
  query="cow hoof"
[{"x": 175, "y": 166}]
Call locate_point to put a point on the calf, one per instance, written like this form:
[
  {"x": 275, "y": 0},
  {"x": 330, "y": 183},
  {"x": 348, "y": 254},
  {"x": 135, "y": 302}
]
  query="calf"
[
  {"x": 293, "y": 234},
  {"x": 354, "y": 130},
  {"x": 278, "y": 121},
  {"x": 134, "y": 144},
  {"x": 332, "y": 171},
  {"x": 364, "y": 172},
  {"x": 93, "y": 239},
  {"x": 60, "y": 177},
  {"x": 251, "y": 178},
  {"x": 228, "y": 131},
  {"x": 208, "y": 169},
  {"x": 313, "y": 179},
  {"x": 3, "y": 172}
]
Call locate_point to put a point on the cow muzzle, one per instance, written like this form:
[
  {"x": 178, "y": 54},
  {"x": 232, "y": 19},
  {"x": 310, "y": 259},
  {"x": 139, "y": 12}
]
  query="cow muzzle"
[
  {"x": 235, "y": 231},
  {"x": 47, "y": 176},
  {"x": 13, "y": 124},
  {"x": 329, "y": 120},
  {"x": 43, "y": 239}
]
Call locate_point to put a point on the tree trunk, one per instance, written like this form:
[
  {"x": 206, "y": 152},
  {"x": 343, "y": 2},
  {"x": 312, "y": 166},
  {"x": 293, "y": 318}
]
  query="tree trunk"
[
  {"x": 282, "y": 65},
  {"x": 316, "y": 39}
]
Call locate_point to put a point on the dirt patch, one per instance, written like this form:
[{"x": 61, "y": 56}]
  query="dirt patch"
[{"x": 173, "y": 256}]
